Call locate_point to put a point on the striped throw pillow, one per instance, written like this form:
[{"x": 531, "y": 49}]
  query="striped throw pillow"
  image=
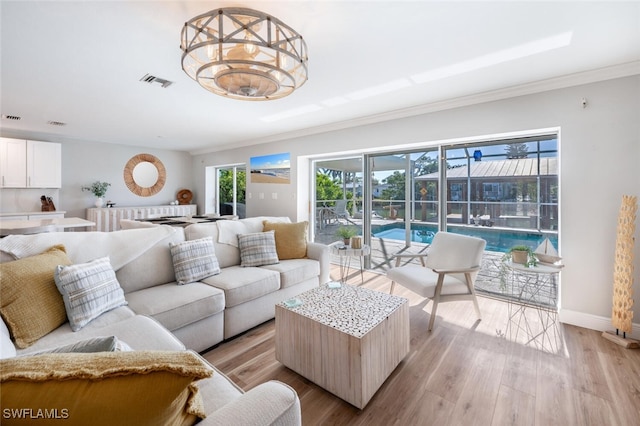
[
  {"x": 258, "y": 249},
  {"x": 194, "y": 260},
  {"x": 88, "y": 290}
]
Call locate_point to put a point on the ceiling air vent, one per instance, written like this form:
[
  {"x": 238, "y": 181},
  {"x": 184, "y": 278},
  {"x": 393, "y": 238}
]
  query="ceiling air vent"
[
  {"x": 56, "y": 123},
  {"x": 11, "y": 117},
  {"x": 148, "y": 78}
]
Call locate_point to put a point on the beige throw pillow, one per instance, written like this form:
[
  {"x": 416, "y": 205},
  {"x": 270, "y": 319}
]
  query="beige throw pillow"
[
  {"x": 106, "y": 388},
  {"x": 291, "y": 238},
  {"x": 30, "y": 303}
]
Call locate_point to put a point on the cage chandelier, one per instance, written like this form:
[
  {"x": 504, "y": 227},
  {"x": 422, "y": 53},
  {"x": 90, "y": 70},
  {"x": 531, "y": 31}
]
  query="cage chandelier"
[{"x": 243, "y": 54}]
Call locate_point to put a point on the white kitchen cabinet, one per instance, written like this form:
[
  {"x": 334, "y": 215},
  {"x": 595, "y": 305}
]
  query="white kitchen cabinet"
[
  {"x": 13, "y": 163},
  {"x": 44, "y": 165},
  {"x": 30, "y": 164}
]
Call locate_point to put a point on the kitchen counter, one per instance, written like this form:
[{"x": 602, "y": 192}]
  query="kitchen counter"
[
  {"x": 33, "y": 213},
  {"x": 33, "y": 226}
]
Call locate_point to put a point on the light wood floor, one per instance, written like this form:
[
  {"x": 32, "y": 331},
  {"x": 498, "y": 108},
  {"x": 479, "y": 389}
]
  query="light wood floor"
[{"x": 465, "y": 372}]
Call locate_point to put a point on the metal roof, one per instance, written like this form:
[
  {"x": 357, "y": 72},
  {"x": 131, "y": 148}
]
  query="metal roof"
[{"x": 517, "y": 167}]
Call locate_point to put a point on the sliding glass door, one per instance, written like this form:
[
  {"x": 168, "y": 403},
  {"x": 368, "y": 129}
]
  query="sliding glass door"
[{"x": 231, "y": 190}]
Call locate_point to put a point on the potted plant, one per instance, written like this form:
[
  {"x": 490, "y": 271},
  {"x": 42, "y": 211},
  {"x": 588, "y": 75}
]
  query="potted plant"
[
  {"x": 98, "y": 189},
  {"x": 517, "y": 254},
  {"x": 346, "y": 232}
]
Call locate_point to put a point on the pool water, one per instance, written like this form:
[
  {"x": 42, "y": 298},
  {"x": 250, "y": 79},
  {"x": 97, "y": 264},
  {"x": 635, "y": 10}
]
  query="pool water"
[{"x": 497, "y": 240}]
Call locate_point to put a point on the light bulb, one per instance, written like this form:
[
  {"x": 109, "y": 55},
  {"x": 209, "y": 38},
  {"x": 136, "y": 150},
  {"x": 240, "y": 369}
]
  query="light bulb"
[
  {"x": 212, "y": 52},
  {"x": 250, "y": 48},
  {"x": 284, "y": 61}
]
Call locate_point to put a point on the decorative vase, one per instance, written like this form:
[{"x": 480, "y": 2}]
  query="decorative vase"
[
  {"x": 346, "y": 241},
  {"x": 356, "y": 242},
  {"x": 99, "y": 202},
  {"x": 519, "y": 256}
]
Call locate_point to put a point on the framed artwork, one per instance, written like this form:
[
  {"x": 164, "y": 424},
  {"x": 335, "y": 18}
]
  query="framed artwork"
[{"x": 275, "y": 168}]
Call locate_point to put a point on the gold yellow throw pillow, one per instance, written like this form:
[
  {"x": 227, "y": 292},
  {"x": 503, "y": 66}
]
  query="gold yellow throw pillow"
[
  {"x": 30, "y": 302},
  {"x": 291, "y": 238},
  {"x": 107, "y": 388}
]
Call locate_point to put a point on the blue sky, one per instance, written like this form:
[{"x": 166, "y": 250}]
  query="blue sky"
[{"x": 274, "y": 161}]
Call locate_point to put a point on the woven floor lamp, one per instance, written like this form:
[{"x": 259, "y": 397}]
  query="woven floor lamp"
[{"x": 622, "y": 312}]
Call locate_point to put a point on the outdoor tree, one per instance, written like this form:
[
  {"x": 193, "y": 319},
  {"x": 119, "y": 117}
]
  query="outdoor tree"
[
  {"x": 327, "y": 188},
  {"x": 395, "y": 190},
  {"x": 226, "y": 186},
  {"x": 517, "y": 150}
]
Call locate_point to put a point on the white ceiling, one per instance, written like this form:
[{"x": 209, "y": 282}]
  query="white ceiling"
[{"x": 80, "y": 62}]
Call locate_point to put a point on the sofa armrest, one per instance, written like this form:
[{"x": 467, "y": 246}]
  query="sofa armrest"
[
  {"x": 320, "y": 252},
  {"x": 270, "y": 403}
]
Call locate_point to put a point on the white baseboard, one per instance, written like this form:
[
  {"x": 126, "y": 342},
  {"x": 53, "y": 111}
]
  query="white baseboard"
[{"x": 593, "y": 322}]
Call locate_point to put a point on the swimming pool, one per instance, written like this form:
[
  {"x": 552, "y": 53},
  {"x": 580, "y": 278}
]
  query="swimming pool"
[{"x": 497, "y": 240}]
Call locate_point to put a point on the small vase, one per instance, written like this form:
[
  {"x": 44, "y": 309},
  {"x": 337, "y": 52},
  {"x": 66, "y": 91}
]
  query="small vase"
[
  {"x": 519, "y": 256},
  {"x": 99, "y": 202}
]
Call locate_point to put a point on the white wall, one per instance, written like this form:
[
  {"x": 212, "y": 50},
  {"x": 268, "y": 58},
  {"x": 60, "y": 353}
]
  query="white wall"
[
  {"x": 86, "y": 162},
  {"x": 600, "y": 161}
]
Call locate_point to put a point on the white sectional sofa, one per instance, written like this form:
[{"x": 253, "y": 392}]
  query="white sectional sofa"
[{"x": 161, "y": 315}]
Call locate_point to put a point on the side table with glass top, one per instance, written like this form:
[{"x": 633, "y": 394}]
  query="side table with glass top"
[
  {"x": 346, "y": 253},
  {"x": 533, "y": 289}
]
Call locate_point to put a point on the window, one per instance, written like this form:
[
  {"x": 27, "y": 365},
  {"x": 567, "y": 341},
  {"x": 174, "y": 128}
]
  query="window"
[{"x": 231, "y": 190}]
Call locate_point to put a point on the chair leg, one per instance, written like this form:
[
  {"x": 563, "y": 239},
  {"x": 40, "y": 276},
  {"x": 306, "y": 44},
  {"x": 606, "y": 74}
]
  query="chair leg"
[
  {"x": 436, "y": 300},
  {"x": 433, "y": 313},
  {"x": 393, "y": 284},
  {"x": 473, "y": 293}
]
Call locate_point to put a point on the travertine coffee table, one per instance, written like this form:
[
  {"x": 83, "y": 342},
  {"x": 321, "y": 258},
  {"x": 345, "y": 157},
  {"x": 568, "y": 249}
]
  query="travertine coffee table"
[{"x": 347, "y": 340}]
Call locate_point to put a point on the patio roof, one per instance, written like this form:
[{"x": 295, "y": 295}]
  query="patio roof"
[
  {"x": 519, "y": 167},
  {"x": 354, "y": 165}
]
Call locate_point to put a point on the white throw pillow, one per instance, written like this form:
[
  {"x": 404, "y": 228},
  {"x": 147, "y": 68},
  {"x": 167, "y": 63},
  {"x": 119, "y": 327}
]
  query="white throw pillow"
[
  {"x": 95, "y": 344},
  {"x": 88, "y": 290},
  {"x": 257, "y": 249},
  {"x": 194, "y": 260}
]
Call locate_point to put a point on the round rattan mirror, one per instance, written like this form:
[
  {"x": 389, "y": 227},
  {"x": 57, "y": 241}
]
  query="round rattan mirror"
[{"x": 144, "y": 175}]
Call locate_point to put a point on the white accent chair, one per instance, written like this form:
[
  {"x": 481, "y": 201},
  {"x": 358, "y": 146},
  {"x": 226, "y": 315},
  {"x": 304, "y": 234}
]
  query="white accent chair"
[
  {"x": 339, "y": 211},
  {"x": 448, "y": 272}
]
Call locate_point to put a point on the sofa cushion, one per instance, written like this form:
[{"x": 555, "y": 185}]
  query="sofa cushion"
[
  {"x": 175, "y": 306},
  {"x": 97, "y": 388},
  {"x": 122, "y": 247},
  {"x": 153, "y": 266},
  {"x": 295, "y": 271},
  {"x": 291, "y": 238},
  {"x": 226, "y": 254},
  {"x": 30, "y": 303},
  {"x": 243, "y": 284},
  {"x": 257, "y": 249},
  {"x": 194, "y": 260},
  {"x": 225, "y": 235},
  {"x": 138, "y": 331},
  {"x": 88, "y": 289}
]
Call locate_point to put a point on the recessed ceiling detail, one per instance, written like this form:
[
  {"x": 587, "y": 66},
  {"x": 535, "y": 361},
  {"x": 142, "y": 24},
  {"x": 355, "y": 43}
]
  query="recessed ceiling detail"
[
  {"x": 148, "y": 78},
  {"x": 56, "y": 123}
]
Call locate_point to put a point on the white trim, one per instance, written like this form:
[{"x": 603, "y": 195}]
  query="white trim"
[{"x": 593, "y": 322}]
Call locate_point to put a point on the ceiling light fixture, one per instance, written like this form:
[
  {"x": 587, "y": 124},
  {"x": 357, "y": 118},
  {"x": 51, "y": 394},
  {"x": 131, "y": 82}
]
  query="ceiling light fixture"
[{"x": 243, "y": 54}]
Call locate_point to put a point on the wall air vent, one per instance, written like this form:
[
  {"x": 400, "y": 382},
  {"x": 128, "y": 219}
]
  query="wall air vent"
[
  {"x": 148, "y": 78},
  {"x": 56, "y": 123},
  {"x": 11, "y": 117}
]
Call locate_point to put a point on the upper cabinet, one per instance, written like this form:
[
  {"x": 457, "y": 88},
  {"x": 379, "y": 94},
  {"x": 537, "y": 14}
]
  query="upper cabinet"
[
  {"x": 13, "y": 163},
  {"x": 30, "y": 164}
]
